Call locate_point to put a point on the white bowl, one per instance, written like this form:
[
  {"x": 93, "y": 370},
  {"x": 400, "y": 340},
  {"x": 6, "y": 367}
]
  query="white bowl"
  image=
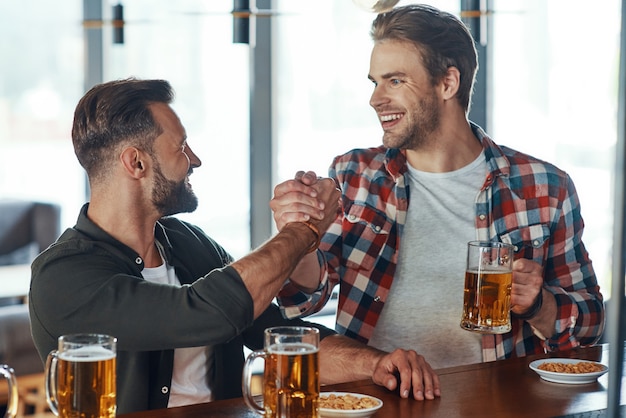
[
  {"x": 568, "y": 378},
  {"x": 349, "y": 413}
]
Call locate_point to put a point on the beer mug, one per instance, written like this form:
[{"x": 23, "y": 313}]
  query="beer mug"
[
  {"x": 80, "y": 376},
  {"x": 487, "y": 293},
  {"x": 9, "y": 375},
  {"x": 291, "y": 386}
]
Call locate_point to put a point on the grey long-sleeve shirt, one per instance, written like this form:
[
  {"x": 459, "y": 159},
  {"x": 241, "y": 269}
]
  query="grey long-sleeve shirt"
[{"x": 88, "y": 282}]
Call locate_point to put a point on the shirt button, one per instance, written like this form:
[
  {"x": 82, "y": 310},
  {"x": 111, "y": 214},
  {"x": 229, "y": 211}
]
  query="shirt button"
[
  {"x": 377, "y": 299},
  {"x": 377, "y": 228},
  {"x": 536, "y": 243},
  {"x": 482, "y": 217},
  {"x": 352, "y": 217},
  {"x": 164, "y": 390},
  {"x": 138, "y": 260}
]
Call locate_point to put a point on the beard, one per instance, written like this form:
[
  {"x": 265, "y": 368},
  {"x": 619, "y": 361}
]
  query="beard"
[
  {"x": 170, "y": 197},
  {"x": 422, "y": 120}
]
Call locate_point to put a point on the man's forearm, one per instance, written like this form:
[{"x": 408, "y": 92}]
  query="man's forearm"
[
  {"x": 264, "y": 270},
  {"x": 343, "y": 359},
  {"x": 306, "y": 276}
]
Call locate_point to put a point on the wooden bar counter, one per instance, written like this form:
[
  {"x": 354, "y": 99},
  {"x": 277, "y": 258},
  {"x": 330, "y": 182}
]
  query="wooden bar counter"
[{"x": 506, "y": 388}]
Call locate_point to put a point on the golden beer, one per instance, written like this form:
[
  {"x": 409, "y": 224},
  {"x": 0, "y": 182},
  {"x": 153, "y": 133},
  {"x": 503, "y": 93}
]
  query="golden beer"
[
  {"x": 291, "y": 381},
  {"x": 487, "y": 301},
  {"x": 86, "y": 383},
  {"x": 80, "y": 377}
]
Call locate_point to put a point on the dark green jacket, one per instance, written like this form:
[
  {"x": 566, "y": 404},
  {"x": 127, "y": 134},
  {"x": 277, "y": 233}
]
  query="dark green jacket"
[{"x": 88, "y": 282}]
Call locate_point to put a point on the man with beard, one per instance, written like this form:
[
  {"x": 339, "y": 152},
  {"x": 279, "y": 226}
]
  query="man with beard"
[
  {"x": 398, "y": 246},
  {"x": 180, "y": 307}
]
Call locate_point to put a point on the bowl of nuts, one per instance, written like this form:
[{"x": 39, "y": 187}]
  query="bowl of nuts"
[
  {"x": 348, "y": 405},
  {"x": 568, "y": 370}
]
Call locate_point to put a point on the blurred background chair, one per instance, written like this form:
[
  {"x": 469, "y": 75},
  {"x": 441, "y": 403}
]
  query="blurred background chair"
[{"x": 26, "y": 229}]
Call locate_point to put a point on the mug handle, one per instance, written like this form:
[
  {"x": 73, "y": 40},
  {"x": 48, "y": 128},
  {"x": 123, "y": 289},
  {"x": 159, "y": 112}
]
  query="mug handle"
[
  {"x": 50, "y": 381},
  {"x": 8, "y": 373},
  {"x": 247, "y": 380}
]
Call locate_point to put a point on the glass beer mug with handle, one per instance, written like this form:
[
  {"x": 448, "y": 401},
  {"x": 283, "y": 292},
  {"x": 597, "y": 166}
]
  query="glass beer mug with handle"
[
  {"x": 80, "y": 376},
  {"x": 9, "y": 375},
  {"x": 487, "y": 293},
  {"x": 291, "y": 386}
]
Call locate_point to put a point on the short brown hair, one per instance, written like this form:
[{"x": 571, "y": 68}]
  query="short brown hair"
[
  {"x": 442, "y": 39},
  {"x": 114, "y": 113}
]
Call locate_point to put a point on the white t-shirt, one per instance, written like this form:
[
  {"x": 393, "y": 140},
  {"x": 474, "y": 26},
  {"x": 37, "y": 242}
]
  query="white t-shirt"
[
  {"x": 190, "y": 377},
  {"x": 423, "y": 310}
]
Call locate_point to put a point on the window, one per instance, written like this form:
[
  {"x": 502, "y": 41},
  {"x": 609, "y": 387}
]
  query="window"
[{"x": 555, "y": 69}]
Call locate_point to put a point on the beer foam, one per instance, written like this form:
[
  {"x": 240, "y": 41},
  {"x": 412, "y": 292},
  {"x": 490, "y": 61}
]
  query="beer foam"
[
  {"x": 85, "y": 354},
  {"x": 293, "y": 348},
  {"x": 490, "y": 270}
]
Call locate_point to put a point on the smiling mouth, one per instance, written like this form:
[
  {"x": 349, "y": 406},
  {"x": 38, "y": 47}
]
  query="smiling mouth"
[{"x": 391, "y": 117}]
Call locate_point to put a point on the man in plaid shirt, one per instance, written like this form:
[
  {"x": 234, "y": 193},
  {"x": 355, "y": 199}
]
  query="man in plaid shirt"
[{"x": 409, "y": 258}]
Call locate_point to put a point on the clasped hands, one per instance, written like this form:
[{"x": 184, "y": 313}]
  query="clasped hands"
[{"x": 306, "y": 198}]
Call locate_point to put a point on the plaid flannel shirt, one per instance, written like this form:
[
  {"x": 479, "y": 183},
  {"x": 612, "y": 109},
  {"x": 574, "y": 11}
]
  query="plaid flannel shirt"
[{"x": 524, "y": 201}]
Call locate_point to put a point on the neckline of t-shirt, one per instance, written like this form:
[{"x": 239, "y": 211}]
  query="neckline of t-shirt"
[
  {"x": 479, "y": 161},
  {"x": 158, "y": 271}
]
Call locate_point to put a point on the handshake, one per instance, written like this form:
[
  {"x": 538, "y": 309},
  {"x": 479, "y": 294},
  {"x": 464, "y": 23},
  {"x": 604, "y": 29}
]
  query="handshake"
[{"x": 306, "y": 198}]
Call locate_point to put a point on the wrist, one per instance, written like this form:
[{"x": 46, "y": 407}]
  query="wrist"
[
  {"x": 314, "y": 231},
  {"x": 533, "y": 310}
]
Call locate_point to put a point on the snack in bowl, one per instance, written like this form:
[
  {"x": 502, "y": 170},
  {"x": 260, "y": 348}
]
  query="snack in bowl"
[
  {"x": 348, "y": 405},
  {"x": 580, "y": 367},
  {"x": 347, "y": 401},
  {"x": 568, "y": 370}
]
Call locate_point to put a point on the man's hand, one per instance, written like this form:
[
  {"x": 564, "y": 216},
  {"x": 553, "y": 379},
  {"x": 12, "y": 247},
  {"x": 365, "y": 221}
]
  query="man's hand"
[
  {"x": 527, "y": 283},
  {"x": 412, "y": 370},
  {"x": 305, "y": 198},
  {"x": 343, "y": 359}
]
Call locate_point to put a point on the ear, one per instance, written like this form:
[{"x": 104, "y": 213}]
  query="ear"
[
  {"x": 450, "y": 83},
  {"x": 134, "y": 162}
]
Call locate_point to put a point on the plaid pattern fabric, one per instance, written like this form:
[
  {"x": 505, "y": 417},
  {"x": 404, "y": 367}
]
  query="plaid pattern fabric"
[{"x": 524, "y": 201}]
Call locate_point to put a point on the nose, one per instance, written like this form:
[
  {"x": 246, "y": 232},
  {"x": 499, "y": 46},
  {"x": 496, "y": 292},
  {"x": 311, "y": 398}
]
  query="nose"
[
  {"x": 194, "y": 161},
  {"x": 378, "y": 97}
]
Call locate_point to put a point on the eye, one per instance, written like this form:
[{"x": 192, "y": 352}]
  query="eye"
[{"x": 395, "y": 82}]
